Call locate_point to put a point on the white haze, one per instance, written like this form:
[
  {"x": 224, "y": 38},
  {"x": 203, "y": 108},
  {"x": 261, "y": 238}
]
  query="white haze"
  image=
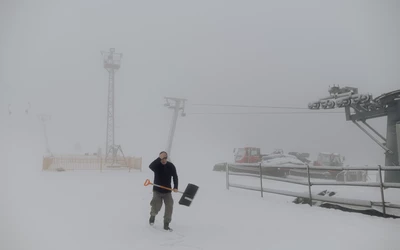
[
  {"x": 256, "y": 53},
  {"x": 277, "y": 53}
]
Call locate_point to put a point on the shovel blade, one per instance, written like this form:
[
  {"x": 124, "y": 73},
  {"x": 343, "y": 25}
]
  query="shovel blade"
[{"x": 188, "y": 195}]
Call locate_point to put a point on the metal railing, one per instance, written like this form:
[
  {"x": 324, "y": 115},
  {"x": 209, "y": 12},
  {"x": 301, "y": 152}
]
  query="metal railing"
[{"x": 345, "y": 201}]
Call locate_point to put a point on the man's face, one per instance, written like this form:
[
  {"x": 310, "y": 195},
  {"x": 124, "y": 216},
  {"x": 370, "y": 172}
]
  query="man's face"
[{"x": 164, "y": 158}]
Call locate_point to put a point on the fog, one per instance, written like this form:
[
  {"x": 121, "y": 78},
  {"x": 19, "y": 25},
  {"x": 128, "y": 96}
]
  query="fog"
[
  {"x": 248, "y": 53},
  {"x": 277, "y": 53}
]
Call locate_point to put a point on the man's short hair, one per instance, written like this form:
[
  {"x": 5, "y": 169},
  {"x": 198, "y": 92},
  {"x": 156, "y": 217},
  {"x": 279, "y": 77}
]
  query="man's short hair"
[{"x": 163, "y": 152}]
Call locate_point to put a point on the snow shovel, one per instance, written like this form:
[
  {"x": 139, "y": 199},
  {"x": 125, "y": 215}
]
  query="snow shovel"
[{"x": 187, "y": 196}]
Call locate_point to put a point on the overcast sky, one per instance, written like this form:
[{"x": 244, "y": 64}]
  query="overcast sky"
[{"x": 279, "y": 53}]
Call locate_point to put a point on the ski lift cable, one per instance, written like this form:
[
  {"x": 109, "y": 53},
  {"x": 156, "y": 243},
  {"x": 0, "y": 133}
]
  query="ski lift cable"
[
  {"x": 246, "y": 106},
  {"x": 262, "y": 113}
]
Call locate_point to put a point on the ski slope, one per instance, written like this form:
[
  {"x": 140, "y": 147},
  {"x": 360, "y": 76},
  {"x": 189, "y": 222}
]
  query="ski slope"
[
  {"x": 91, "y": 210},
  {"x": 110, "y": 210}
]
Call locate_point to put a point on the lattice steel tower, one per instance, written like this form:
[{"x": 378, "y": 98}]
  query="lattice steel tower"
[{"x": 112, "y": 62}]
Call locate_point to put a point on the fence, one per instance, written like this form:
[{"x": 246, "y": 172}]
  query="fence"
[
  {"x": 87, "y": 162},
  {"x": 309, "y": 183}
]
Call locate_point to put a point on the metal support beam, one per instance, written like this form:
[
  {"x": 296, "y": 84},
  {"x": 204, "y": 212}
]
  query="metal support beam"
[
  {"x": 376, "y": 132},
  {"x": 309, "y": 184},
  {"x": 398, "y": 139},
  {"x": 387, "y": 150},
  {"x": 261, "y": 180},
  {"x": 393, "y": 119},
  {"x": 227, "y": 175},
  {"x": 44, "y": 119},
  {"x": 172, "y": 128},
  {"x": 179, "y": 104},
  {"x": 359, "y": 116},
  {"x": 347, "y": 113},
  {"x": 381, "y": 188}
]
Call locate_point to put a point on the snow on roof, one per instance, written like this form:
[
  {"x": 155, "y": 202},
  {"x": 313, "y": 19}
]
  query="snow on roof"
[
  {"x": 329, "y": 153},
  {"x": 280, "y": 160}
]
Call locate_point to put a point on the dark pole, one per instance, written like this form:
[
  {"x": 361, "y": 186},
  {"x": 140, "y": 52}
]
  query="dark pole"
[{"x": 392, "y": 159}]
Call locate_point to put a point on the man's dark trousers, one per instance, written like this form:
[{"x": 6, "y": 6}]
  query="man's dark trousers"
[{"x": 156, "y": 204}]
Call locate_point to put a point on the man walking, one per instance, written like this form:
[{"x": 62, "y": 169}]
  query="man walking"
[{"x": 163, "y": 172}]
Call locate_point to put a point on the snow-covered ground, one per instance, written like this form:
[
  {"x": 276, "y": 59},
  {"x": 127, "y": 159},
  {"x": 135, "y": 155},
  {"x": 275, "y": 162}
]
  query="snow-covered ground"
[
  {"x": 89, "y": 210},
  {"x": 109, "y": 210}
]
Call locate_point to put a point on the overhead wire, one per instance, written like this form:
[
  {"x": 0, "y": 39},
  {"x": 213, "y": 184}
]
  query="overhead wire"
[
  {"x": 258, "y": 113},
  {"x": 263, "y": 113},
  {"x": 246, "y": 106}
]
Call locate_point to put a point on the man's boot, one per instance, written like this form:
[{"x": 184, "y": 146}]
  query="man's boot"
[
  {"x": 166, "y": 227},
  {"x": 151, "y": 220}
]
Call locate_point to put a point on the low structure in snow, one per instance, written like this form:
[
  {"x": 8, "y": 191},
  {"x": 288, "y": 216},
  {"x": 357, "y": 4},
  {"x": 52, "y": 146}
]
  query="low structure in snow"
[{"x": 89, "y": 162}]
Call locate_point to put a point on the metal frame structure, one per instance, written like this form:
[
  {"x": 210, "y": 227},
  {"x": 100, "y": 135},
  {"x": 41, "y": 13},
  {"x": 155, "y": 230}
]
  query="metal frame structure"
[
  {"x": 309, "y": 183},
  {"x": 360, "y": 108},
  {"x": 112, "y": 62},
  {"x": 85, "y": 162},
  {"x": 177, "y": 104},
  {"x": 44, "y": 118}
]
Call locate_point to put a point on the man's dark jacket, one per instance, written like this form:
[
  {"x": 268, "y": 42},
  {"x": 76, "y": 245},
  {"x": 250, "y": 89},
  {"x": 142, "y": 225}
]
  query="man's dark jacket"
[{"x": 163, "y": 175}]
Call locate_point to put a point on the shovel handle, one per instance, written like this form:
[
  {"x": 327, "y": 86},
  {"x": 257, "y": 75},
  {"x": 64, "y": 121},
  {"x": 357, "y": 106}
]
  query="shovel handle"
[{"x": 148, "y": 182}]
